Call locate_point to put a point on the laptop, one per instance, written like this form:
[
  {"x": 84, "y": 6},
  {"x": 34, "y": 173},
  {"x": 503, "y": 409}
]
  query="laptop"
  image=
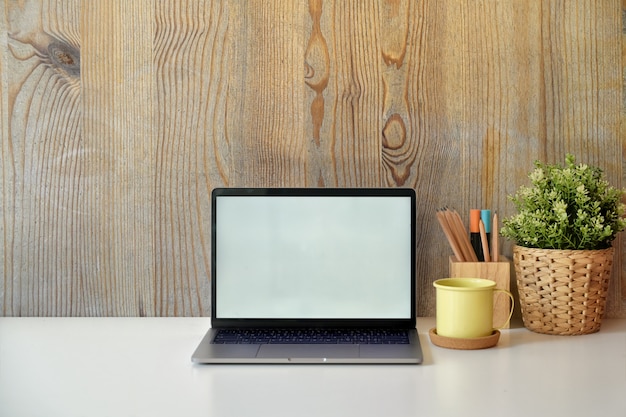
[{"x": 312, "y": 275}]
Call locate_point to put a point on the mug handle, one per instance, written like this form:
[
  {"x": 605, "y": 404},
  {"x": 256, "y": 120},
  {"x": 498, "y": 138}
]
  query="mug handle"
[{"x": 512, "y": 305}]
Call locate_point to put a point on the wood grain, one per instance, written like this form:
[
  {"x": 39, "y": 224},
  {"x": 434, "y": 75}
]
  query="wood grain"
[
  {"x": 191, "y": 152},
  {"x": 118, "y": 118},
  {"x": 41, "y": 152},
  {"x": 619, "y": 264}
]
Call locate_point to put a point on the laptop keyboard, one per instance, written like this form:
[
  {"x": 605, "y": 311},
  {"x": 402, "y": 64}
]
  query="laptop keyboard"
[{"x": 311, "y": 336}]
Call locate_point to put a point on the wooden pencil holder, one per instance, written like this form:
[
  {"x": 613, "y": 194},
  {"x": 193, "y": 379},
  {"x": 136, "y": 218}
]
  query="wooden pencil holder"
[{"x": 500, "y": 272}]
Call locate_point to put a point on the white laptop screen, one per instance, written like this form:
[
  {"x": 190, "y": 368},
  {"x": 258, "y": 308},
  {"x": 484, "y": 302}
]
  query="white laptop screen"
[{"x": 317, "y": 257}]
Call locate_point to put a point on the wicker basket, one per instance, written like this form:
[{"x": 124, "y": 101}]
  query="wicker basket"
[{"x": 562, "y": 292}]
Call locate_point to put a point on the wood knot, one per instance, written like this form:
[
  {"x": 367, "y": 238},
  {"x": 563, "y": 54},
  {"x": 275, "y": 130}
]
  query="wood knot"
[
  {"x": 317, "y": 63},
  {"x": 309, "y": 72},
  {"x": 65, "y": 57},
  {"x": 394, "y": 133}
]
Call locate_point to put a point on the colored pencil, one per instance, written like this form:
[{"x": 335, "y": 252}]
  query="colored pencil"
[
  {"x": 495, "y": 250},
  {"x": 483, "y": 241},
  {"x": 457, "y": 235},
  {"x": 450, "y": 235}
]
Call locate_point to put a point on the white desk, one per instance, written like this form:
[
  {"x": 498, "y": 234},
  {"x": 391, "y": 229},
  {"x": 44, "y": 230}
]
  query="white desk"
[{"x": 141, "y": 367}]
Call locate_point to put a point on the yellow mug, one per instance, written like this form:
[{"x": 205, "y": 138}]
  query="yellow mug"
[{"x": 465, "y": 307}]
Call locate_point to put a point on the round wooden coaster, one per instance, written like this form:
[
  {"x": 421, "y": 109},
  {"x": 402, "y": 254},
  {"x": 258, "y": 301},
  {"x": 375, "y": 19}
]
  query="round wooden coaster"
[{"x": 464, "y": 344}]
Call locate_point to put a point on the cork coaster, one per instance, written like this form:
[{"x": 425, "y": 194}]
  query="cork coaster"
[{"x": 464, "y": 344}]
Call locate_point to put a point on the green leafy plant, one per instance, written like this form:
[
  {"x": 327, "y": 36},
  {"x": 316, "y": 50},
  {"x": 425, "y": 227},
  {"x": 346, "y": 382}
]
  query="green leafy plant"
[{"x": 567, "y": 207}]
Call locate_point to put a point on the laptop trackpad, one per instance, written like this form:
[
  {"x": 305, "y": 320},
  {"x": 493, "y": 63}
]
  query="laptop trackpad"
[{"x": 308, "y": 351}]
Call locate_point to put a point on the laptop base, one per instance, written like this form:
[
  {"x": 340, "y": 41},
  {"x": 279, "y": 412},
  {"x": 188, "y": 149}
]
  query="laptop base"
[{"x": 209, "y": 353}]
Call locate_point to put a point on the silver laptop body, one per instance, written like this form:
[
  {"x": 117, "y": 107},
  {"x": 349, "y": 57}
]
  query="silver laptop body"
[{"x": 322, "y": 259}]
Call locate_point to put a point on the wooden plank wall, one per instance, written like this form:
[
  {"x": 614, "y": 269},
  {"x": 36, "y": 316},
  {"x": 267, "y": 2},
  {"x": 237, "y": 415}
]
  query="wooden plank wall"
[{"x": 118, "y": 117}]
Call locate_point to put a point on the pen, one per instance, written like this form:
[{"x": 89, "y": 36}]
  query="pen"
[{"x": 475, "y": 234}]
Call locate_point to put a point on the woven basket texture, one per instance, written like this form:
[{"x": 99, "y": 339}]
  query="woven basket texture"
[{"x": 562, "y": 292}]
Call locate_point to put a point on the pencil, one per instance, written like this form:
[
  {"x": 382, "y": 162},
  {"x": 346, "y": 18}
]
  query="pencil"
[
  {"x": 495, "y": 250},
  {"x": 452, "y": 240},
  {"x": 483, "y": 240},
  {"x": 463, "y": 236}
]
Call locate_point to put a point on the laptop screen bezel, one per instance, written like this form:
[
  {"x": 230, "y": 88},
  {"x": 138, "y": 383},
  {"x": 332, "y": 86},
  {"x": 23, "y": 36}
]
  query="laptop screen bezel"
[{"x": 217, "y": 322}]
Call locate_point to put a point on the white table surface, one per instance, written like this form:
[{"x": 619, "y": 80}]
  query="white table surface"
[{"x": 141, "y": 367}]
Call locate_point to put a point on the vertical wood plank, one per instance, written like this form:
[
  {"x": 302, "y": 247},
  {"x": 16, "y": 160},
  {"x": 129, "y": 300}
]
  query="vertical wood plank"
[
  {"x": 6, "y": 178},
  {"x": 117, "y": 173},
  {"x": 621, "y": 269},
  {"x": 193, "y": 149},
  {"x": 40, "y": 141},
  {"x": 265, "y": 121},
  {"x": 399, "y": 26},
  {"x": 318, "y": 71},
  {"x": 355, "y": 115}
]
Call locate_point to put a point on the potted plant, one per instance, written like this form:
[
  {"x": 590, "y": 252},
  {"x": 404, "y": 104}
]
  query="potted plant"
[{"x": 565, "y": 224}]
